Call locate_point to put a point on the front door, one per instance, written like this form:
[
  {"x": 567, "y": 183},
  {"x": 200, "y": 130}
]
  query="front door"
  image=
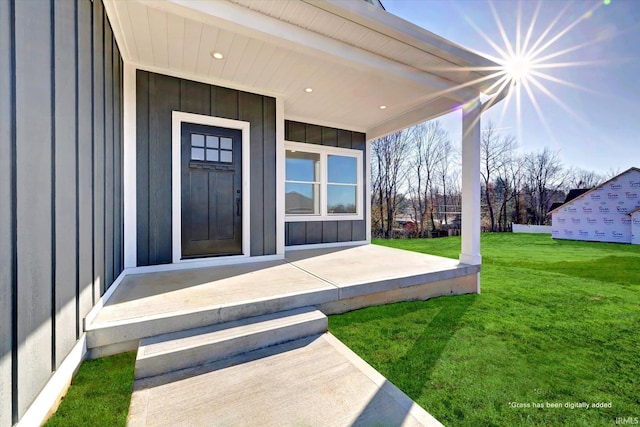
[{"x": 211, "y": 175}]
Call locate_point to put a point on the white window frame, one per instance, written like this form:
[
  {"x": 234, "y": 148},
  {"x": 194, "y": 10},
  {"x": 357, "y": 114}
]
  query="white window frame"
[{"x": 325, "y": 151}]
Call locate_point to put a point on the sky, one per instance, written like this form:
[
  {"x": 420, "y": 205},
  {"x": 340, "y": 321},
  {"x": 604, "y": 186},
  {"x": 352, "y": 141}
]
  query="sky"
[{"x": 588, "y": 106}]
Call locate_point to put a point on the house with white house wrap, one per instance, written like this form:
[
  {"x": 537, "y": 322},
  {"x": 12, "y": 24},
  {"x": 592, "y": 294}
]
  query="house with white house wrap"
[{"x": 606, "y": 213}]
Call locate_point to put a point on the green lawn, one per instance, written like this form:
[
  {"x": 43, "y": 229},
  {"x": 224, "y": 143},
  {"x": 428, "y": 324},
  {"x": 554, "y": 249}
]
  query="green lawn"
[
  {"x": 557, "y": 323},
  {"x": 99, "y": 395}
]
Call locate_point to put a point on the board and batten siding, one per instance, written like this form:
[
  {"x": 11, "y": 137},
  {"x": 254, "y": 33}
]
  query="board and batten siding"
[
  {"x": 157, "y": 96},
  {"x": 313, "y": 232},
  {"x": 61, "y": 219}
]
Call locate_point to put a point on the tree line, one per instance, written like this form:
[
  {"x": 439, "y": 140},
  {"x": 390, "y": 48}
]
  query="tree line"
[{"x": 416, "y": 182}]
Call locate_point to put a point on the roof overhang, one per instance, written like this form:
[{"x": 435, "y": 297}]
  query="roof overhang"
[{"x": 356, "y": 57}]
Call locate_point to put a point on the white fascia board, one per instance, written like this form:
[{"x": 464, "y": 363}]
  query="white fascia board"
[
  {"x": 116, "y": 21},
  {"x": 393, "y": 26},
  {"x": 244, "y": 21}
]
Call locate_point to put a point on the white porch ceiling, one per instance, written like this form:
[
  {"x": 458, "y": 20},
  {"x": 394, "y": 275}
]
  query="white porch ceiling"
[{"x": 355, "y": 57}]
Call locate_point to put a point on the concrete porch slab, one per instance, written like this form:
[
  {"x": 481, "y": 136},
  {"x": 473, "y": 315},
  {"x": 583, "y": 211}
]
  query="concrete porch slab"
[
  {"x": 153, "y": 294},
  {"x": 367, "y": 269},
  {"x": 315, "y": 381},
  {"x": 334, "y": 280}
]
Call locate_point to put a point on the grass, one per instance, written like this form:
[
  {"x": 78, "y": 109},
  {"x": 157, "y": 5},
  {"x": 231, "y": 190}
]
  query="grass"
[
  {"x": 99, "y": 394},
  {"x": 558, "y": 322}
]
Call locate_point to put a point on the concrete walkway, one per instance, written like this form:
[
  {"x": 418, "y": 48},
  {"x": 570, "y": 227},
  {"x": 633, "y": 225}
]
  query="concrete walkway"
[{"x": 315, "y": 381}]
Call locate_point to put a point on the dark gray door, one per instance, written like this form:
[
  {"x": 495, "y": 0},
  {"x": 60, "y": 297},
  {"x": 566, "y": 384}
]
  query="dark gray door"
[{"x": 211, "y": 191}]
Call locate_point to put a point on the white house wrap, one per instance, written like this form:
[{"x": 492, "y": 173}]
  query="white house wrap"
[
  {"x": 606, "y": 213},
  {"x": 635, "y": 226}
]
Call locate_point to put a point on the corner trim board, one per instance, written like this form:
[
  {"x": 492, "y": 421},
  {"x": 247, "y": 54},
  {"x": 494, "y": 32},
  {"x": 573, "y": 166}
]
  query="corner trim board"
[{"x": 129, "y": 165}]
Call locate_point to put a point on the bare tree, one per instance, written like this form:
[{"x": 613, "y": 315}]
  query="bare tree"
[
  {"x": 611, "y": 173},
  {"x": 582, "y": 178},
  {"x": 516, "y": 173},
  {"x": 388, "y": 174},
  {"x": 443, "y": 170},
  {"x": 495, "y": 151},
  {"x": 429, "y": 141},
  {"x": 545, "y": 174}
]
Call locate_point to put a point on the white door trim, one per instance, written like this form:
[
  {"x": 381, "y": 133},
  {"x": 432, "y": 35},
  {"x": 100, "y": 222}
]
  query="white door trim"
[{"x": 177, "y": 117}]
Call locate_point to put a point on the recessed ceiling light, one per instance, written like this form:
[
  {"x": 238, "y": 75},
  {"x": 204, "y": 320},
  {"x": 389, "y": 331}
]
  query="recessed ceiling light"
[
  {"x": 382, "y": 107},
  {"x": 308, "y": 90},
  {"x": 217, "y": 55}
]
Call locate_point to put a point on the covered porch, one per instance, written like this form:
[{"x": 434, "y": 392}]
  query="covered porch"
[{"x": 332, "y": 67}]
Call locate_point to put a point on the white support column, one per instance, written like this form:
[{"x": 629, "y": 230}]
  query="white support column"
[
  {"x": 280, "y": 176},
  {"x": 471, "y": 184},
  {"x": 367, "y": 183},
  {"x": 129, "y": 169}
]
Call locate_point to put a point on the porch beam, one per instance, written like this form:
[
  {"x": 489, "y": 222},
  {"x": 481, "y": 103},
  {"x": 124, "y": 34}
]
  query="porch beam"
[{"x": 471, "y": 184}]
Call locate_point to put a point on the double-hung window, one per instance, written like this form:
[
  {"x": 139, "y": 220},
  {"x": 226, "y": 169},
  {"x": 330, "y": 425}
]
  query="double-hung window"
[{"x": 322, "y": 183}]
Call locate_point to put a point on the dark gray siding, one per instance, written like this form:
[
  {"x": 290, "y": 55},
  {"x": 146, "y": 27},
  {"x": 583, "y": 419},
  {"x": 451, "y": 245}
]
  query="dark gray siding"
[
  {"x": 33, "y": 32},
  {"x": 311, "y": 232},
  {"x": 65, "y": 178},
  {"x": 53, "y": 92},
  {"x": 157, "y": 96}
]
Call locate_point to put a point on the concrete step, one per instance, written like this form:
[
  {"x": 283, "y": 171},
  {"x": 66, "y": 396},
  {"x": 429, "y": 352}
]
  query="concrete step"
[
  {"x": 112, "y": 337},
  {"x": 185, "y": 349}
]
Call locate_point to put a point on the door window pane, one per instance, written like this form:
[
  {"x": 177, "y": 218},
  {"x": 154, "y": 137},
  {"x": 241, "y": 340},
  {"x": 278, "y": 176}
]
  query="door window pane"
[
  {"x": 197, "y": 153},
  {"x": 212, "y": 141},
  {"x": 226, "y": 143},
  {"x": 302, "y": 199},
  {"x": 301, "y": 166},
  {"x": 342, "y": 169},
  {"x": 197, "y": 140},
  {"x": 212, "y": 155},
  {"x": 226, "y": 156},
  {"x": 341, "y": 199}
]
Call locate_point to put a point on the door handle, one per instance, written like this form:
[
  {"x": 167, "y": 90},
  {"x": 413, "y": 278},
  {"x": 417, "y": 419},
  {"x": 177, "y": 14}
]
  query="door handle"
[{"x": 238, "y": 206}]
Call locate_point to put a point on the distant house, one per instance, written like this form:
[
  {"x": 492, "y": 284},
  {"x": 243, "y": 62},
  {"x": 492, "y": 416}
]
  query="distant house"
[
  {"x": 609, "y": 212},
  {"x": 406, "y": 223}
]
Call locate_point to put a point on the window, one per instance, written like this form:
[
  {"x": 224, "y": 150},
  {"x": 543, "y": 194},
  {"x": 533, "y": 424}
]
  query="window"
[
  {"x": 211, "y": 148},
  {"x": 322, "y": 183}
]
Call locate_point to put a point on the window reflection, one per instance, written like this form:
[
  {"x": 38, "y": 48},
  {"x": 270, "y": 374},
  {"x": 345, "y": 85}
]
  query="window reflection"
[
  {"x": 341, "y": 199},
  {"x": 342, "y": 169},
  {"x": 301, "y": 166}
]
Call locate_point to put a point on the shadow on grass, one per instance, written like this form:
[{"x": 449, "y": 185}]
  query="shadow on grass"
[
  {"x": 412, "y": 371},
  {"x": 616, "y": 269}
]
